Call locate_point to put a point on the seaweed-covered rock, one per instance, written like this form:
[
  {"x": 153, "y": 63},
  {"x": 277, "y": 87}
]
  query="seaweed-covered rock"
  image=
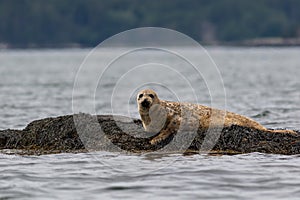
[{"x": 83, "y": 132}]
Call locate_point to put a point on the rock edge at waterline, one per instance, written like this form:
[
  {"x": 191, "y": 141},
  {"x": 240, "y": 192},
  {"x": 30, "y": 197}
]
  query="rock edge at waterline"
[{"x": 60, "y": 135}]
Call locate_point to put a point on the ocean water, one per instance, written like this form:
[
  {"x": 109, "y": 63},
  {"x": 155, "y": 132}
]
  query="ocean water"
[{"x": 261, "y": 83}]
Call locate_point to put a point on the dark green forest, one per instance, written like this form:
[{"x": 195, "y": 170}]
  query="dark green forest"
[{"x": 38, "y": 23}]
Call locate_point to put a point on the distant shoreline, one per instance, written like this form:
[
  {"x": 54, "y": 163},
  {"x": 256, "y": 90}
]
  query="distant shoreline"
[
  {"x": 272, "y": 42},
  {"x": 257, "y": 42}
]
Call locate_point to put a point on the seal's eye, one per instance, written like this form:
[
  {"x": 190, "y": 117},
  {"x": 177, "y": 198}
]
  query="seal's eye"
[
  {"x": 151, "y": 95},
  {"x": 140, "y": 96}
]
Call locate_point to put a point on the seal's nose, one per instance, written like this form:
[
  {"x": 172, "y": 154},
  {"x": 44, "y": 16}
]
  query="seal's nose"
[{"x": 145, "y": 103}]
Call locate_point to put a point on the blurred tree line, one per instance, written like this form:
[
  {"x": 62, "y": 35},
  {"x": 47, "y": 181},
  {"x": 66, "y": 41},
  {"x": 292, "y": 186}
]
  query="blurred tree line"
[{"x": 25, "y": 23}]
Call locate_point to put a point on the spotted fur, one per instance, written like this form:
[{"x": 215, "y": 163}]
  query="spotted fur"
[{"x": 166, "y": 117}]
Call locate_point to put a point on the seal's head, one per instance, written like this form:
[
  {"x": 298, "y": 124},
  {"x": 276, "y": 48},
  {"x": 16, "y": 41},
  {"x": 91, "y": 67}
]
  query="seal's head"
[{"x": 146, "y": 99}]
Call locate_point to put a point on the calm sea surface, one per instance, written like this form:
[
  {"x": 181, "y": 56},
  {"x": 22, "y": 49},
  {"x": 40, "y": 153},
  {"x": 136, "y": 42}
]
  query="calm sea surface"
[{"x": 261, "y": 83}]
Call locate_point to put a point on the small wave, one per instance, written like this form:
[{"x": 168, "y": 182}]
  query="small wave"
[{"x": 264, "y": 113}]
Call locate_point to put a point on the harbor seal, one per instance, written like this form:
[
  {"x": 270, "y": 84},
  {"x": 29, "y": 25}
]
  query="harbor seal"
[{"x": 165, "y": 117}]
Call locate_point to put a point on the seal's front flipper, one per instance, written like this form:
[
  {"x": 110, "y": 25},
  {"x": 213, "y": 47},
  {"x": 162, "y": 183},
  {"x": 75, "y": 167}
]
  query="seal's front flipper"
[{"x": 164, "y": 134}]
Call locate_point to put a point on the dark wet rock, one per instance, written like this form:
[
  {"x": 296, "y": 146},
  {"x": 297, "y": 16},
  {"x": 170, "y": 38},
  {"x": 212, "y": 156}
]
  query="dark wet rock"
[{"x": 83, "y": 132}]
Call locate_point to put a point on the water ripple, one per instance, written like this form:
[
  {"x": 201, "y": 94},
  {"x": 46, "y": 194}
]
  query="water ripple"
[{"x": 45, "y": 89}]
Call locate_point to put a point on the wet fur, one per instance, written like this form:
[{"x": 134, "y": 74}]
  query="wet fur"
[{"x": 165, "y": 117}]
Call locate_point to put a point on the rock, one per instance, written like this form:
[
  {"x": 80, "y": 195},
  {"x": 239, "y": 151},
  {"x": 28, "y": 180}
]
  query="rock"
[{"x": 83, "y": 132}]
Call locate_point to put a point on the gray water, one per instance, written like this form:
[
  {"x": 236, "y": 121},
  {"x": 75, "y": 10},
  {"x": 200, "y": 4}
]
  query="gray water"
[{"x": 261, "y": 83}]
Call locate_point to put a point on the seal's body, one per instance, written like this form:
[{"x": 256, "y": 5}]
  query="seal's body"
[{"x": 165, "y": 117}]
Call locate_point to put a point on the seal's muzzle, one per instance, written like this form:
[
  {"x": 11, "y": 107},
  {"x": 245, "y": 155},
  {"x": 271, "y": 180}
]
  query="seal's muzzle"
[{"x": 145, "y": 103}]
